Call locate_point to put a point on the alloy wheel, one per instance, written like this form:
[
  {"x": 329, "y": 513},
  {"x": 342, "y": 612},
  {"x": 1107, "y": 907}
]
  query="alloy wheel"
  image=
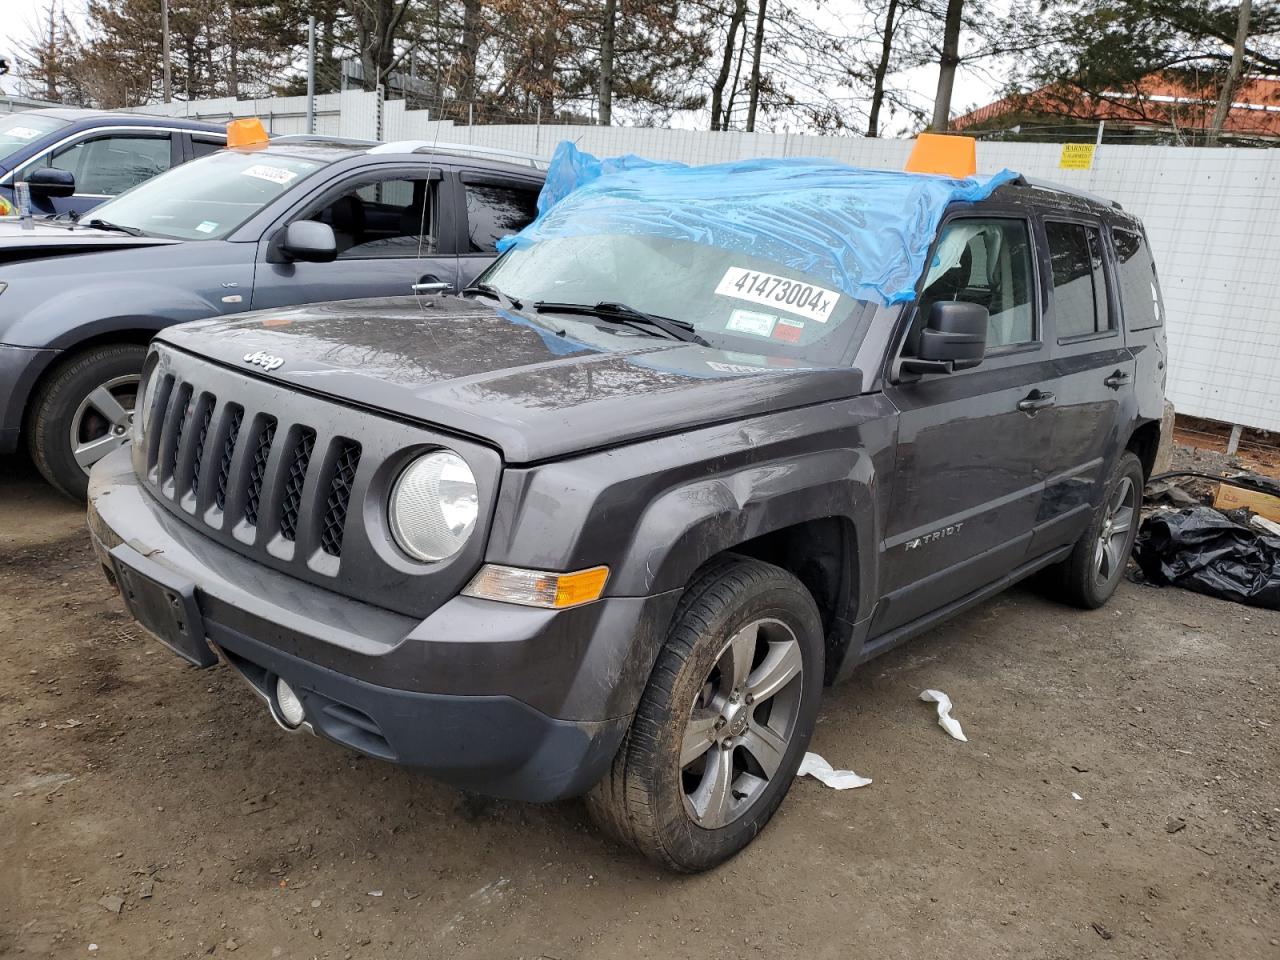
[
  {"x": 1109, "y": 555},
  {"x": 102, "y": 420},
  {"x": 741, "y": 723}
]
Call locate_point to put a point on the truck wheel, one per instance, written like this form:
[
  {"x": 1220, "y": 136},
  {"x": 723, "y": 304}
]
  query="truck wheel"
[
  {"x": 1092, "y": 572},
  {"x": 82, "y": 412},
  {"x": 724, "y": 721}
]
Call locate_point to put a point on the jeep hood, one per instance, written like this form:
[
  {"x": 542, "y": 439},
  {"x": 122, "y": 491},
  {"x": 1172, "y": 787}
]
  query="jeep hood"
[
  {"x": 48, "y": 238},
  {"x": 470, "y": 368}
]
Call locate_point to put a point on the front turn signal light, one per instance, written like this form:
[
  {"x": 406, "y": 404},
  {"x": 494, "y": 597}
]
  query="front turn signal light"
[{"x": 537, "y": 588}]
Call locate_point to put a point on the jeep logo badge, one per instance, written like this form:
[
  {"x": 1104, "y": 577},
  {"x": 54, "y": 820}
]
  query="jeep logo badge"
[{"x": 265, "y": 360}]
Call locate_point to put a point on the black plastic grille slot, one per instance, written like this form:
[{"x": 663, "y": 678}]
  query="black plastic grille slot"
[
  {"x": 179, "y": 411},
  {"x": 291, "y": 500},
  {"x": 236, "y": 414},
  {"x": 258, "y": 470},
  {"x": 338, "y": 499},
  {"x": 156, "y": 418},
  {"x": 207, "y": 403}
]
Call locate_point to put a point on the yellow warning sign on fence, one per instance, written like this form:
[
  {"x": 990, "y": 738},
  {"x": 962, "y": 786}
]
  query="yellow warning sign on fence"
[{"x": 1076, "y": 156}]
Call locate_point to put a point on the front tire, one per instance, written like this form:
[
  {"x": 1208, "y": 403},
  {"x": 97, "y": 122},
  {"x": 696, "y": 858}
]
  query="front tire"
[
  {"x": 1092, "y": 572},
  {"x": 724, "y": 721},
  {"x": 82, "y": 412}
]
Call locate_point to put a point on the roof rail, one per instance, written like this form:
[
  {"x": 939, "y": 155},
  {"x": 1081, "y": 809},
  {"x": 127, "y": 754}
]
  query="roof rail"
[
  {"x": 321, "y": 138},
  {"x": 1072, "y": 191},
  {"x": 466, "y": 149}
]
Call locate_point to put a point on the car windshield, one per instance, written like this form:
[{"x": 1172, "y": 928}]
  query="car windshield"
[
  {"x": 207, "y": 198},
  {"x": 733, "y": 300},
  {"x": 18, "y": 130}
]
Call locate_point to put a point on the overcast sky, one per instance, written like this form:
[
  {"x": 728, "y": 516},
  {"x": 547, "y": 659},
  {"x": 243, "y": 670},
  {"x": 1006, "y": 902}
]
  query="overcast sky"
[{"x": 974, "y": 87}]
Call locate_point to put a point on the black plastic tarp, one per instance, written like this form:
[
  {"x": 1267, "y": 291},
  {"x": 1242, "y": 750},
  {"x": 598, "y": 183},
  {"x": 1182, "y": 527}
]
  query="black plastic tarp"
[{"x": 1200, "y": 549}]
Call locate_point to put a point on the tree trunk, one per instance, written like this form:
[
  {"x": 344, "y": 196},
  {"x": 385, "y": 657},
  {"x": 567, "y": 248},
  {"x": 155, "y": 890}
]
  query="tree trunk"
[
  {"x": 882, "y": 70},
  {"x": 737, "y": 75},
  {"x": 470, "y": 49},
  {"x": 756, "y": 51},
  {"x": 726, "y": 63},
  {"x": 606, "y": 61},
  {"x": 947, "y": 66},
  {"x": 1233, "y": 73}
]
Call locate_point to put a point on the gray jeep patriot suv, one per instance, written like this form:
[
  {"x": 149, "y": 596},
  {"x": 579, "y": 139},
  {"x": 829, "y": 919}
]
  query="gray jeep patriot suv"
[{"x": 609, "y": 522}]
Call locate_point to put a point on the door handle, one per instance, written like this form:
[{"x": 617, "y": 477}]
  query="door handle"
[
  {"x": 1117, "y": 380},
  {"x": 429, "y": 283},
  {"x": 1035, "y": 401}
]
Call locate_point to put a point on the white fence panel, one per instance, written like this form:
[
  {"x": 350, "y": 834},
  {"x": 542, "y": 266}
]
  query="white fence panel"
[{"x": 1213, "y": 217}]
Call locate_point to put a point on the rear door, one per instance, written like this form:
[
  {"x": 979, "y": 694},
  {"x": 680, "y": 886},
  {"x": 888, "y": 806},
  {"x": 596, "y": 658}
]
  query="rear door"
[
  {"x": 1093, "y": 375},
  {"x": 496, "y": 205},
  {"x": 393, "y": 231},
  {"x": 972, "y": 445}
]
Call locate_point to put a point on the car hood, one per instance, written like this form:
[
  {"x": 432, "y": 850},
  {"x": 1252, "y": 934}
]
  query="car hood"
[
  {"x": 495, "y": 375},
  {"x": 48, "y": 238}
]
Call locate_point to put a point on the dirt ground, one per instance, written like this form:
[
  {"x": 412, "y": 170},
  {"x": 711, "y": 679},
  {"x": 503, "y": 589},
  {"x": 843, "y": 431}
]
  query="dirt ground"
[{"x": 1119, "y": 796}]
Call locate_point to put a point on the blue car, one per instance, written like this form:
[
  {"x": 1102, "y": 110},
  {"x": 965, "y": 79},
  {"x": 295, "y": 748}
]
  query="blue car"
[{"x": 76, "y": 159}]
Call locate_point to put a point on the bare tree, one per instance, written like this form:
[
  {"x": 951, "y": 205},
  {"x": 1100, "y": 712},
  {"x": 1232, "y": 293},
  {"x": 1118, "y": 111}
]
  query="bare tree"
[
  {"x": 736, "y": 18},
  {"x": 1233, "y": 73},
  {"x": 947, "y": 64},
  {"x": 608, "y": 32},
  {"x": 882, "y": 69},
  {"x": 757, "y": 50}
]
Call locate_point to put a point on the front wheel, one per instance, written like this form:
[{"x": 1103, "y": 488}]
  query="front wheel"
[
  {"x": 724, "y": 721},
  {"x": 1092, "y": 572},
  {"x": 82, "y": 412}
]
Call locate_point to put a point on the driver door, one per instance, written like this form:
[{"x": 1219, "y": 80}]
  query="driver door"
[
  {"x": 392, "y": 230},
  {"x": 970, "y": 467}
]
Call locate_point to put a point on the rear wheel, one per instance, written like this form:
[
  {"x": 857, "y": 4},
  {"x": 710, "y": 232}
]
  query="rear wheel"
[
  {"x": 82, "y": 412},
  {"x": 1092, "y": 572},
  {"x": 723, "y": 722}
]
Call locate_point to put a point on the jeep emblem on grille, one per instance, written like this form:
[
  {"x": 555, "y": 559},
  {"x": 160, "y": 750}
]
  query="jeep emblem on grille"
[{"x": 265, "y": 360}]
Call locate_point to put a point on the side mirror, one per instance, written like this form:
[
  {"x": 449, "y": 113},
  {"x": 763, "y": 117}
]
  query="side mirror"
[
  {"x": 954, "y": 339},
  {"x": 52, "y": 182},
  {"x": 309, "y": 241}
]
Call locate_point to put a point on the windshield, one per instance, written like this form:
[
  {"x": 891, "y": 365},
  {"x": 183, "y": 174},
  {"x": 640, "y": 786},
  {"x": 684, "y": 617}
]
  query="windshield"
[
  {"x": 207, "y": 198},
  {"x": 18, "y": 130},
  {"x": 734, "y": 301}
]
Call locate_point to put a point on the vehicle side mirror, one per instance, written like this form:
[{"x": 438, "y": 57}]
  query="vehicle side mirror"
[
  {"x": 52, "y": 182},
  {"x": 309, "y": 241},
  {"x": 955, "y": 338}
]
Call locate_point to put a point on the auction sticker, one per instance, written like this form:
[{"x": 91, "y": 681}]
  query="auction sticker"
[
  {"x": 207, "y": 226},
  {"x": 794, "y": 296},
  {"x": 23, "y": 133},
  {"x": 788, "y": 331},
  {"x": 264, "y": 171}
]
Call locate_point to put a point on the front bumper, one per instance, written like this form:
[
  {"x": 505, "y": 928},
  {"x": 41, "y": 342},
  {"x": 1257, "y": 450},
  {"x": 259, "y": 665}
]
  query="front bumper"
[
  {"x": 19, "y": 369},
  {"x": 512, "y": 701}
]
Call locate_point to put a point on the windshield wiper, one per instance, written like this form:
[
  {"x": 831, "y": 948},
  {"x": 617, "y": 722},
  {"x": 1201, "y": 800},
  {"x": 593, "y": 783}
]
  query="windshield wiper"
[
  {"x": 99, "y": 224},
  {"x": 511, "y": 303},
  {"x": 621, "y": 313}
]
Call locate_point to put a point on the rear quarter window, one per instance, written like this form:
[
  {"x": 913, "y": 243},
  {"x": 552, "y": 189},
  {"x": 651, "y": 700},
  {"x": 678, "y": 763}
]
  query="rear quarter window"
[{"x": 1136, "y": 273}]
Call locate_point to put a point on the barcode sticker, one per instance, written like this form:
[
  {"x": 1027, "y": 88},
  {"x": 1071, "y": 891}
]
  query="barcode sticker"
[{"x": 264, "y": 171}]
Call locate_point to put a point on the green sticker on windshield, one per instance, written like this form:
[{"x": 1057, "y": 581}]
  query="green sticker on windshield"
[{"x": 748, "y": 321}]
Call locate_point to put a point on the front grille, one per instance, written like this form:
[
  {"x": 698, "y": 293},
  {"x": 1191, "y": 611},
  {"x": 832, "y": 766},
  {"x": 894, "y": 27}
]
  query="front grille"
[
  {"x": 297, "y": 484},
  {"x": 297, "y": 477},
  {"x": 251, "y": 479},
  {"x": 339, "y": 498},
  {"x": 258, "y": 472}
]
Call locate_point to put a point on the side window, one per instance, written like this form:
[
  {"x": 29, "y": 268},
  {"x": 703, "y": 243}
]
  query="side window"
[
  {"x": 112, "y": 164},
  {"x": 1079, "y": 279},
  {"x": 988, "y": 262},
  {"x": 383, "y": 218},
  {"x": 494, "y": 211},
  {"x": 1139, "y": 295},
  {"x": 203, "y": 146}
]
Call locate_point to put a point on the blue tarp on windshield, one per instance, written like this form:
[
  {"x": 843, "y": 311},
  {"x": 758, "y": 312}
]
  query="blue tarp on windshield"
[{"x": 866, "y": 232}]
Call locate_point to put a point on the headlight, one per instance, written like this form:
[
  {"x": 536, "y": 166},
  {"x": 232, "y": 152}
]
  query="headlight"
[{"x": 434, "y": 506}]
